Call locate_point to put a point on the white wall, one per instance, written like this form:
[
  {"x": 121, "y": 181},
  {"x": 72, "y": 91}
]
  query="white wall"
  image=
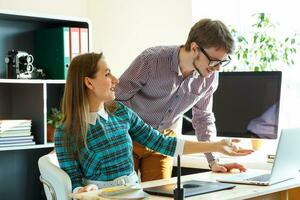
[
  {"x": 123, "y": 28},
  {"x": 120, "y": 28},
  {"x": 76, "y": 8}
]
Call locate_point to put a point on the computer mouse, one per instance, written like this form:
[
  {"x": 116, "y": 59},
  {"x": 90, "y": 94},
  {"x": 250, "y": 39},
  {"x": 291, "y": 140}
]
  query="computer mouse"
[{"x": 235, "y": 171}]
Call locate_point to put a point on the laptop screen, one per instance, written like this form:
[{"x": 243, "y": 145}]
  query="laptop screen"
[{"x": 246, "y": 104}]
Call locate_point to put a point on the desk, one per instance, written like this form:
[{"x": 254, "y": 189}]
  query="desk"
[
  {"x": 275, "y": 192},
  {"x": 256, "y": 160},
  {"x": 253, "y": 161}
]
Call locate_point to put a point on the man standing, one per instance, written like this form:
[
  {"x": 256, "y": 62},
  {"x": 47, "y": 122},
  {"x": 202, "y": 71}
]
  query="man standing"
[{"x": 164, "y": 82}]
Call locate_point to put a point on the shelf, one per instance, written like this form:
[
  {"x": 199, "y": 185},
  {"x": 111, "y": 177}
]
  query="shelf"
[
  {"x": 25, "y": 147},
  {"x": 38, "y": 81},
  {"x": 33, "y": 98},
  {"x": 12, "y": 15}
]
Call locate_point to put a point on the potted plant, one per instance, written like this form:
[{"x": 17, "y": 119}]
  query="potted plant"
[
  {"x": 54, "y": 117},
  {"x": 262, "y": 48}
]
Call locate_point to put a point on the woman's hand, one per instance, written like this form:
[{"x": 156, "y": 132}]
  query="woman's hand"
[
  {"x": 226, "y": 146},
  {"x": 229, "y": 147},
  {"x": 88, "y": 188}
]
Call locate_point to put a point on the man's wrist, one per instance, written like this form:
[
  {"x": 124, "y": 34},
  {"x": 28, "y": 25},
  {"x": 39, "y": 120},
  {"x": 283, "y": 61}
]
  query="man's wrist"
[{"x": 213, "y": 162}]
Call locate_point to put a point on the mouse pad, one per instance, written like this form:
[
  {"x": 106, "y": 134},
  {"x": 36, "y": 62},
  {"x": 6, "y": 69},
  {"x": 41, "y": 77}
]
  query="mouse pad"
[{"x": 191, "y": 188}]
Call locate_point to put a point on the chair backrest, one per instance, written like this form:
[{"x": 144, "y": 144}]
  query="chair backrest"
[{"x": 57, "y": 183}]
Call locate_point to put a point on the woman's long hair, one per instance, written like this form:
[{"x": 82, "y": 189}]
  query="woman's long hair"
[{"x": 75, "y": 105}]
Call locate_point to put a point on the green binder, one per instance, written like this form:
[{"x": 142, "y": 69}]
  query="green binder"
[{"x": 52, "y": 51}]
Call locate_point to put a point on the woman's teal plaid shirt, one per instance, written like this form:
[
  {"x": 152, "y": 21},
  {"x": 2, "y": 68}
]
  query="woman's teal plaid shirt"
[{"x": 109, "y": 153}]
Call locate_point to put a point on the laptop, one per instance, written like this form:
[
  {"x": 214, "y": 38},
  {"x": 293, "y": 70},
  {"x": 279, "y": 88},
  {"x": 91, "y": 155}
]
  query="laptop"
[{"x": 286, "y": 164}]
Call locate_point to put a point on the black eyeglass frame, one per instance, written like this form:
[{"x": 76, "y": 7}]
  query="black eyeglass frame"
[{"x": 213, "y": 62}]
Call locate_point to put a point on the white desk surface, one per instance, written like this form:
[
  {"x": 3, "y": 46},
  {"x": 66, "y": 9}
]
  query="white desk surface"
[
  {"x": 254, "y": 161},
  {"x": 257, "y": 160},
  {"x": 237, "y": 193}
]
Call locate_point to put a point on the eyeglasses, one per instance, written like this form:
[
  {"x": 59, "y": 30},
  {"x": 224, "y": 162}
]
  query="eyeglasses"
[{"x": 214, "y": 62}]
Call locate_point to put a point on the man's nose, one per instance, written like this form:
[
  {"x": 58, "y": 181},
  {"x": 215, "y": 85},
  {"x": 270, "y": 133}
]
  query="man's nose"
[{"x": 115, "y": 80}]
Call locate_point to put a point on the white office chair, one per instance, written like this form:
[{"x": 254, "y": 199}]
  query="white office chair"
[{"x": 57, "y": 183}]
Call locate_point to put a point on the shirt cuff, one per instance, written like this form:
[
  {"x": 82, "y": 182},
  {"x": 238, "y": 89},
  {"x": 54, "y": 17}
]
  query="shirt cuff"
[
  {"x": 76, "y": 189},
  {"x": 179, "y": 147},
  {"x": 210, "y": 157}
]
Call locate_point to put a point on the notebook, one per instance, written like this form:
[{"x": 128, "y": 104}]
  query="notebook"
[
  {"x": 286, "y": 164},
  {"x": 191, "y": 188}
]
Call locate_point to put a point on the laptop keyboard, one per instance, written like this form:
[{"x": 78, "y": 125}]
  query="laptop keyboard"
[{"x": 260, "y": 178}]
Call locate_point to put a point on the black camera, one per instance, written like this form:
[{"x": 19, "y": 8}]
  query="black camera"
[{"x": 19, "y": 64}]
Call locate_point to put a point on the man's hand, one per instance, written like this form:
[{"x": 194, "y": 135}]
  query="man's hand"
[{"x": 223, "y": 168}]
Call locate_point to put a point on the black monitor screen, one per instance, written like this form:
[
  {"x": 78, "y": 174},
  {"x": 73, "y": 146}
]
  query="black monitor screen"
[{"x": 246, "y": 104}]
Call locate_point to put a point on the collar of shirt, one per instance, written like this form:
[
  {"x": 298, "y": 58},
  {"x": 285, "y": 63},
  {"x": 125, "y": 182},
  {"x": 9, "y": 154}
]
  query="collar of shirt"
[
  {"x": 94, "y": 115},
  {"x": 175, "y": 62},
  {"x": 179, "y": 71},
  {"x": 195, "y": 74}
]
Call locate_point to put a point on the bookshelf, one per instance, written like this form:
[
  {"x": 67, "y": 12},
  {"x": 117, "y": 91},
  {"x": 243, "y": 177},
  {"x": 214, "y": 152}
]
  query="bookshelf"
[{"x": 28, "y": 99}]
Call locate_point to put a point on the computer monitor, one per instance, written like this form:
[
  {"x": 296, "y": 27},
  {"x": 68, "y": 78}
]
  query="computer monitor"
[{"x": 246, "y": 104}]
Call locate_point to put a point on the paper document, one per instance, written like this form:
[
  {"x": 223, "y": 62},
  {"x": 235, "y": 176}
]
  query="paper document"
[{"x": 118, "y": 192}]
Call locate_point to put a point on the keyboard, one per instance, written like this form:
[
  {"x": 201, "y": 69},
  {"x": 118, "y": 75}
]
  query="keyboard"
[{"x": 260, "y": 178}]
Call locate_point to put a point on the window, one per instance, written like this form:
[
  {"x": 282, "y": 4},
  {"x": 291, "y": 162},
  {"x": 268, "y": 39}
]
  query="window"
[{"x": 238, "y": 13}]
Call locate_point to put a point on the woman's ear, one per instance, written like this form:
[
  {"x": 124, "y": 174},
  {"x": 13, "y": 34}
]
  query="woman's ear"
[{"x": 88, "y": 83}]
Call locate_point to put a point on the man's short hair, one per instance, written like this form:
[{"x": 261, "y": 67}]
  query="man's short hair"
[{"x": 208, "y": 33}]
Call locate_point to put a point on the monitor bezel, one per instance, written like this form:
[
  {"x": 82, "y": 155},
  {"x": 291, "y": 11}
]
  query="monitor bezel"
[{"x": 275, "y": 74}]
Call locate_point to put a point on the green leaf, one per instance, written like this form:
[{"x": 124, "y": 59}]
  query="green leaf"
[
  {"x": 263, "y": 47},
  {"x": 256, "y": 69},
  {"x": 54, "y": 117},
  {"x": 293, "y": 41}
]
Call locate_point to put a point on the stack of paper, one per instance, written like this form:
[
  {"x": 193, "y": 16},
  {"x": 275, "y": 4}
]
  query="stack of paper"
[
  {"x": 15, "y": 132},
  {"x": 118, "y": 192}
]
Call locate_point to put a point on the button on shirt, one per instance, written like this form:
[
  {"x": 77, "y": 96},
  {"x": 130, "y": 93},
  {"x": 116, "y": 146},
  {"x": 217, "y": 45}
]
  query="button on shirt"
[{"x": 154, "y": 87}]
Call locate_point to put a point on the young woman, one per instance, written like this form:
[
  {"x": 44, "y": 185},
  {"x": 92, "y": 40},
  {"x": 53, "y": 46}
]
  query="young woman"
[{"x": 94, "y": 142}]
